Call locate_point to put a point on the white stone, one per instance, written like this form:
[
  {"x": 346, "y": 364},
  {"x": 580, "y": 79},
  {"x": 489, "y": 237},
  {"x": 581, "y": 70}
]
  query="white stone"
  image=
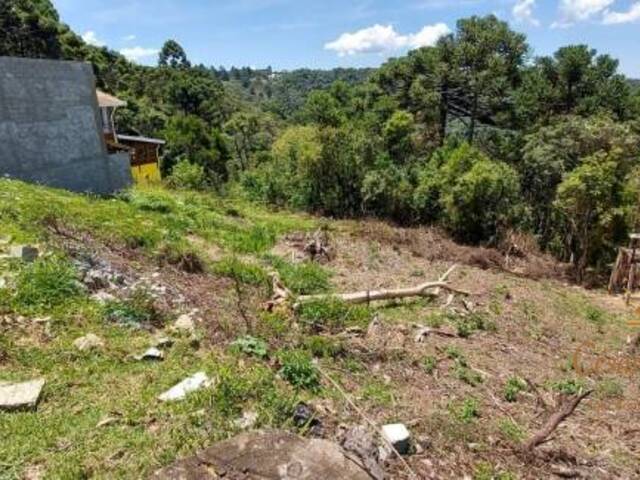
[
  {"x": 20, "y": 395},
  {"x": 103, "y": 297},
  {"x": 151, "y": 354},
  {"x": 248, "y": 420},
  {"x": 398, "y": 436},
  {"x": 188, "y": 385},
  {"x": 185, "y": 323},
  {"x": 26, "y": 253},
  {"x": 88, "y": 342}
]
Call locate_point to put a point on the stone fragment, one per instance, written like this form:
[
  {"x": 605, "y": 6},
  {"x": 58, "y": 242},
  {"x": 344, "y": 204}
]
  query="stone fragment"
[
  {"x": 103, "y": 297},
  {"x": 398, "y": 436},
  {"x": 151, "y": 354},
  {"x": 259, "y": 455},
  {"x": 162, "y": 341},
  {"x": 26, "y": 253},
  {"x": 17, "y": 396},
  {"x": 88, "y": 342},
  {"x": 247, "y": 421},
  {"x": 188, "y": 385},
  {"x": 185, "y": 324},
  {"x": 359, "y": 442}
]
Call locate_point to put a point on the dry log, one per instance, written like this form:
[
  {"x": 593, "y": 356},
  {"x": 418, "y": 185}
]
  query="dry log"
[
  {"x": 428, "y": 289},
  {"x": 559, "y": 416}
]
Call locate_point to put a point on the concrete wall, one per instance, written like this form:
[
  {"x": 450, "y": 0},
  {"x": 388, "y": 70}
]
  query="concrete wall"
[{"x": 49, "y": 127}]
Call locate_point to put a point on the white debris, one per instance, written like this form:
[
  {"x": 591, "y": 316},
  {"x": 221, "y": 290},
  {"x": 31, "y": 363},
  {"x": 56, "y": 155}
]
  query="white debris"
[
  {"x": 185, "y": 323},
  {"x": 247, "y": 421},
  {"x": 151, "y": 354},
  {"x": 103, "y": 297},
  {"x": 26, "y": 253},
  {"x": 188, "y": 385},
  {"x": 162, "y": 341},
  {"x": 398, "y": 436},
  {"x": 25, "y": 395},
  {"x": 88, "y": 342}
]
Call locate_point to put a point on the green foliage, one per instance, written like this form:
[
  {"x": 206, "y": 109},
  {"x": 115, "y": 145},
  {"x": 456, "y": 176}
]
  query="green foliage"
[
  {"x": 333, "y": 313},
  {"x": 297, "y": 368},
  {"x": 251, "y": 346},
  {"x": 610, "y": 387},
  {"x": 323, "y": 347},
  {"x": 429, "y": 364},
  {"x": 511, "y": 431},
  {"x": 596, "y": 316},
  {"x": 467, "y": 375},
  {"x": 303, "y": 278},
  {"x": 173, "y": 55},
  {"x": 45, "y": 284},
  {"x": 486, "y": 471},
  {"x": 570, "y": 386},
  {"x": 513, "y": 387},
  {"x": 466, "y": 411},
  {"x": 241, "y": 271},
  {"x": 187, "y": 175},
  {"x": 138, "y": 310}
]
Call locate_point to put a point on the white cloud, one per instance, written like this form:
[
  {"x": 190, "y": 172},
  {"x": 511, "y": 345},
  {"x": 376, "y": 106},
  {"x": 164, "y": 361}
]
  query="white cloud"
[
  {"x": 129, "y": 38},
  {"x": 631, "y": 15},
  {"x": 384, "y": 38},
  {"x": 91, "y": 38},
  {"x": 523, "y": 12},
  {"x": 572, "y": 11},
  {"x": 137, "y": 54}
]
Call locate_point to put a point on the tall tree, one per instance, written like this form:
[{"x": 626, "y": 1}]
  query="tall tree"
[{"x": 173, "y": 55}]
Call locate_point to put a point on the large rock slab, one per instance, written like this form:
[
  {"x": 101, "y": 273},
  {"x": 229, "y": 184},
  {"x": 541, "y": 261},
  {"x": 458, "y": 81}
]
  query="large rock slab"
[
  {"x": 267, "y": 455},
  {"x": 19, "y": 396}
]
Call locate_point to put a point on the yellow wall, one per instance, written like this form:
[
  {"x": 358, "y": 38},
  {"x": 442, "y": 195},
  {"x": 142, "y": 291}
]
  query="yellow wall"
[{"x": 146, "y": 174}]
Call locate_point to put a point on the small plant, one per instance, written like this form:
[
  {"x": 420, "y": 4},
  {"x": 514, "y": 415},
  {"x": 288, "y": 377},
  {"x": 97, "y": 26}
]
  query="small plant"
[
  {"x": 44, "y": 284},
  {"x": 243, "y": 272},
  {"x": 486, "y": 471},
  {"x": 454, "y": 353},
  {"x": 333, "y": 313},
  {"x": 323, "y": 347},
  {"x": 304, "y": 278},
  {"x": 511, "y": 430},
  {"x": 378, "y": 392},
  {"x": 429, "y": 364},
  {"x": 513, "y": 387},
  {"x": 297, "y": 368},
  {"x": 596, "y": 316},
  {"x": 569, "y": 386},
  {"x": 467, "y": 411},
  {"x": 136, "y": 311},
  {"x": 180, "y": 255},
  {"x": 610, "y": 388},
  {"x": 273, "y": 324},
  {"x": 468, "y": 324},
  {"x": 251, "y": 346},
  {"x": 467, "y": 375}
]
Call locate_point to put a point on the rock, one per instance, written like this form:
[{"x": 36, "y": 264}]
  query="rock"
[
  {"x": 151, "y": 354},
  {"x": 247, "y": 421},
  {"x": 305, "y": 416},
  {"x": 88, "y": 342},
  {"x": 188, "y": 385},
  {"x": 17, "y": 396},
  {"x": 398, "y": 436},
  {"x": 26, "y": 253},
  {"x": 260, "y": 455},
  {"x": 185, "y": 324},
  {"x": 361, "y": 443},
  {"x": 103, "y": 297}
]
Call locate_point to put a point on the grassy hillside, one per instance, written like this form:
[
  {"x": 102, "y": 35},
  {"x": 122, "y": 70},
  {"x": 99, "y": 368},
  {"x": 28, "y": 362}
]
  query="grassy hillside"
[{"x": 463, "y": 396}]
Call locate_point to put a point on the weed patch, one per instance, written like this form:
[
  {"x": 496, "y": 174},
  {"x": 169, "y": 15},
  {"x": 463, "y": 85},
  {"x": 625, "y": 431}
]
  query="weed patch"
[
  {"x": 243, "y": 272},
  {"x": 304, "y": 278},
  {"x": 251, "y": 346},
  {"x": 513, "y": 387},
  {"x": 333, "y": 314},
  {"x": 297, "y": 368}
]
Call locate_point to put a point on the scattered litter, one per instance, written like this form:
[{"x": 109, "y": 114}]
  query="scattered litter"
[
  {"x": 398, "y": 436},
  {"x": 191, "y": 384},
  {"x": 151, "y": 354},
  {"x": 16, "y": 396},
  {"x": 247, "y": 421},
  {"x": 88, "y": 342},
  {"x": 26, "y": 253}
]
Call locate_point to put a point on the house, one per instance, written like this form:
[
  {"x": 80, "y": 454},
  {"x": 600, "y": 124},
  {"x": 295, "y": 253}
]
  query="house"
[
  {"x": 144, "y": 152},
  {"x": 51, "y": 130}
]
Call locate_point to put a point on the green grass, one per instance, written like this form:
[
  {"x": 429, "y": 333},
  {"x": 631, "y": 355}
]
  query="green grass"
[
  {"x": 304, "y": 278},
  {"x": 333, "y": 314}
]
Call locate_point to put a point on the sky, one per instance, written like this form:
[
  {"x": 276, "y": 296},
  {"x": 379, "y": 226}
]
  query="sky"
[{"x": 288, "y": 34}]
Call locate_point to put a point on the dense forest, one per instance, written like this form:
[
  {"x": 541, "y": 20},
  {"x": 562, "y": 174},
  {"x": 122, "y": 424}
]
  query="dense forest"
[{"x": 473, "y": 134}]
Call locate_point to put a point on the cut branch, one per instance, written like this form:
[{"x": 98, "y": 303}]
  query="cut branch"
[{"x": 563, "y": 412}]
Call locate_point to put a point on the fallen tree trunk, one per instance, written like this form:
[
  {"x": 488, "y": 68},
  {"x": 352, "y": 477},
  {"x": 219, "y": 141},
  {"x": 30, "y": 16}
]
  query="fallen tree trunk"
[
  {"x": 559, "y": 416},
  {"x": 428, "y": 289}
]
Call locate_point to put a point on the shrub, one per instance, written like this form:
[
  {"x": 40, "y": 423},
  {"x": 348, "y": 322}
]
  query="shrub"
[
  {"x": 323, "y": 347},
  {"x": 297, "y": 368},
  {"x": 511, "y": 430},
  {"x": 46, "y": 283},
  {"x": 429, "y": 364},
  {"x": 187, "y": 175},
  {"x": 251, "y": 346},
  {"x": 243, "y": 272},
  {"x": 513, "y": 387},
  {"x": 136, "y": 311},
  {"x": 569, "y": 386},
  {"x": 333, "y": 313},
  {"x": 467, "y": 411},
  {"x": 467, "y": 375},
  {"x": 301, "y": 278}
]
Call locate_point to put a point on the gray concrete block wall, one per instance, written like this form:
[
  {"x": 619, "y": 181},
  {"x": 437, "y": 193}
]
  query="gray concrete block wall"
[{"x": 50, "y": 127}]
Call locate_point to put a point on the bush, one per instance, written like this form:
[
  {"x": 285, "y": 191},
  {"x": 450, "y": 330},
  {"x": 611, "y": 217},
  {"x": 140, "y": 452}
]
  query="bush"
[
  {"x": 513, "y": 387},
  {"x": 297, "y": 368},
  {"x": 301, "y": 278},
  {"x": 241, "y": 271},
  {"x": 251, "y": 346},
  {"x": 46, "y": 283},
  {"x": 187, "y": 175},
  {"x": 323, "y": 347}
]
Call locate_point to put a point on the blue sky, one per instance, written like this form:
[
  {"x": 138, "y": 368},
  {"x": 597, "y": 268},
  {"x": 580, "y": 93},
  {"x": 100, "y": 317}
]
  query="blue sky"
[{"x": 289, "y": 34}]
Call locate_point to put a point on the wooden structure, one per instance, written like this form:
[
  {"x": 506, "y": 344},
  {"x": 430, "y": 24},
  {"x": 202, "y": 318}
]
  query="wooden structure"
[
  {"x": 624, "y": 276},
  {"x": 144, "y": 152}
]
